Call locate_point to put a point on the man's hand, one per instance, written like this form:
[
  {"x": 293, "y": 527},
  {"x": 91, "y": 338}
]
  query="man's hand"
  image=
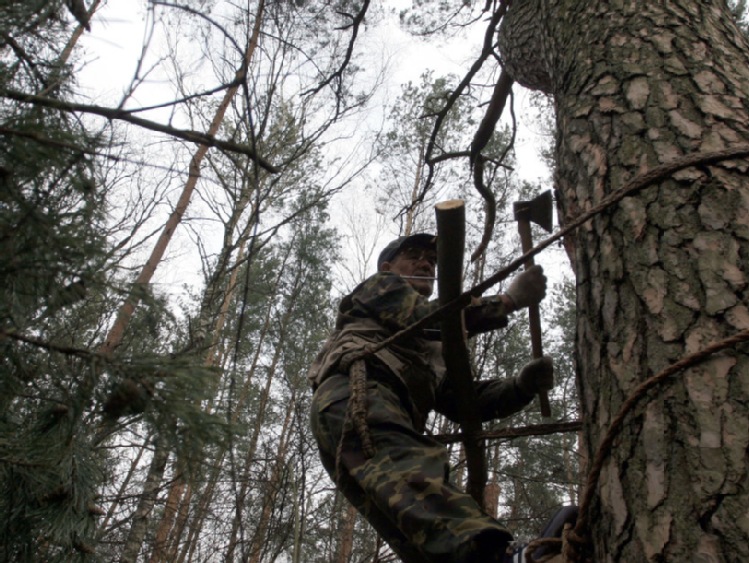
[
  {"x": 528, "y": 288},
  {"x": 537, "y": 376}
]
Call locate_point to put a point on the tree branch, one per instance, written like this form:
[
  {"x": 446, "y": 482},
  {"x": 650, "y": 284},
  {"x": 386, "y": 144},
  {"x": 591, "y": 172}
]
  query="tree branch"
[
  {"x": 122, "y": 115},
  {"x": 355, "y": 24},
  {"x": 512, "y": 433},
  {"x": 486, "y": 51}
]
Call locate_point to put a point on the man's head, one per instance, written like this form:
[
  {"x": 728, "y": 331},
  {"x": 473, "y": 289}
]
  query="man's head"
[{"x": 414, "y": 258}]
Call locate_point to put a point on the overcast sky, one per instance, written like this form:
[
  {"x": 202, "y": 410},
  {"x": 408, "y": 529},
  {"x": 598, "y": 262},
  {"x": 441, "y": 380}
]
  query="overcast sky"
[{"x": 112, "y": 48}]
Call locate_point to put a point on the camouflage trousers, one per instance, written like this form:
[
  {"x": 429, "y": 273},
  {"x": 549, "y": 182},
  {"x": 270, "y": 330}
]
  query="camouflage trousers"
[{"x": 403, "y": 491}]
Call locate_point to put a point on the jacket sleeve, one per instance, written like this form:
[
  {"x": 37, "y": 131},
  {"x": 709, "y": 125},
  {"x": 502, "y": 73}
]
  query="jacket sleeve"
[
  {"x": 497, "y": 398},
  {"x": 489, "y": 314}
]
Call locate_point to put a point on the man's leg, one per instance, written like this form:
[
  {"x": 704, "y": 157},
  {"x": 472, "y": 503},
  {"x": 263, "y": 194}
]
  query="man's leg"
[{"x": 404, "y": 489}]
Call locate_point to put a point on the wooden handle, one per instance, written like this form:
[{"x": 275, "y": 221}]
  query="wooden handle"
[{"x": 534, "y": 318}]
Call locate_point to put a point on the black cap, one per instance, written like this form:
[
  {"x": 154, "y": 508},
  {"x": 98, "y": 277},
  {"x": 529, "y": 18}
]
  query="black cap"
[{"x": 419, "y": 240}]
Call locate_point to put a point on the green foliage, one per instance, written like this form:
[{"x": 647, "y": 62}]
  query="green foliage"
[
  {"x": 402, "y": 185},
  {"x": 52, "y": 245},
  {"x": 59, "y": 277}
]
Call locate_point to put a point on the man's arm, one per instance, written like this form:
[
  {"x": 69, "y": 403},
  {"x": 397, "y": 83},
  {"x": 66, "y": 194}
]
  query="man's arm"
[
  {"x": 487, "y": 313},
  {"x": 500, "y": 398},
  {"x": 490, "y": 313}
]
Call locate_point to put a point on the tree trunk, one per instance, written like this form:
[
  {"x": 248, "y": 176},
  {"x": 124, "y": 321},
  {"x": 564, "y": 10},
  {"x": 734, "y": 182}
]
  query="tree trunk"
[
  {"x": 346, "y": 535},
  {"x": 407, "y": 230},
  {"x": 178, "y": 501},
  {"x": 146, "y": 501},
  {"x": 120, "y": 496},
  {"x": 661, "y": 275},
  {"x": 273, "y": 486},
  {"x": 260, "y": 421}
]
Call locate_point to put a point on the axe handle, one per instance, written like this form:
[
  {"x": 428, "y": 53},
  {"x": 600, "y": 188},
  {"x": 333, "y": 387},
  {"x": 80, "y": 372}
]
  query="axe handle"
[{"x": 534, "y": 318}]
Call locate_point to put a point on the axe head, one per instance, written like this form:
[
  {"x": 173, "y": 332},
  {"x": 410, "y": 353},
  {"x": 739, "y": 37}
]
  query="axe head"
[{"x": 538, "y": 210}]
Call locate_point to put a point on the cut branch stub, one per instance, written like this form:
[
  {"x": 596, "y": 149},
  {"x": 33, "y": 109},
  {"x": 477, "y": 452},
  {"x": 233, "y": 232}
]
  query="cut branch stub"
[{"x": 519, "y": 41}]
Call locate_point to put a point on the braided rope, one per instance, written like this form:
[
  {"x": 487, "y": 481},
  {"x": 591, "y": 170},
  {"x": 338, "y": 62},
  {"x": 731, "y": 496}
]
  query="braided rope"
[
  {"x": 539, "y": 542},
  {"x": 356, "y": 410},
  {"x": 358, "y": 406}
]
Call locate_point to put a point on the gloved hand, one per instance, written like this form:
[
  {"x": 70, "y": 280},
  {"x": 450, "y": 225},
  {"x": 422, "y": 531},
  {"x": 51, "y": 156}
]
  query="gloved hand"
[
  {"x": 536, "y": 376},
  {"x": 528, "y": 288}
]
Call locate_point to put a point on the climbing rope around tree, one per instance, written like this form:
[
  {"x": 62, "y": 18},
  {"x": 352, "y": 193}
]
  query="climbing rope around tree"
[{"x": 574, "y": 542}]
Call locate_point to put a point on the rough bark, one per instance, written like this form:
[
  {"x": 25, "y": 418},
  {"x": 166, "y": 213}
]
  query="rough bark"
[{"x": 663, "y": 274}]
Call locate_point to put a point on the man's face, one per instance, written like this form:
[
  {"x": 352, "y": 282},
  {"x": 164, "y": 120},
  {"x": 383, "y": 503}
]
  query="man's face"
[{"x": 413, "y": 264}]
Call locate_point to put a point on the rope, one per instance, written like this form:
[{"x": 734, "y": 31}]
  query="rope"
[
  {"x": 356, "y": 409},
  {"x": 358, "y": 406},
  {"x": 577, "y": 536},
  {"x": 630, "y": 188}
]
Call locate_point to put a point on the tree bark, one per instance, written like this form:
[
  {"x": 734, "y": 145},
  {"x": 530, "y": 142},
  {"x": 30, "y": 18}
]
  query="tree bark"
[
  {"x": 346, "y": 535},
  {"x": 663, "y": 274}
]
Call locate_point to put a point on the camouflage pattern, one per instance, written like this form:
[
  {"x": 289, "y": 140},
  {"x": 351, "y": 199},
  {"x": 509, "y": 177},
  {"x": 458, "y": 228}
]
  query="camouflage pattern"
[
  {"x": 385, "y": 304},
  {"x": 404, "y": 491}
]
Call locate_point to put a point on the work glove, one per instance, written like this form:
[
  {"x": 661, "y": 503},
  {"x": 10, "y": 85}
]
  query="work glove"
[
  {"x": 528, "y": 288},
  {"x": 537, "y": 376}
]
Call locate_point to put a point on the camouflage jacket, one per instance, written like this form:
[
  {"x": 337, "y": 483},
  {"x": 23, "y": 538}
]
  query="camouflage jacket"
[{"x": 385, "y": 304}]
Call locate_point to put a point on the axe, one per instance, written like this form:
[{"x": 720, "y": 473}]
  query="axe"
[{"x": 539, "y": 211}]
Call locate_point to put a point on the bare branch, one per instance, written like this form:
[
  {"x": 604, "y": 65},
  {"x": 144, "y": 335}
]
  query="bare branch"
[
  {"x": 122, "y": 115},
  {"x": 512, "y": 433},
  {"x": 338, "y": 74},
  {"x": 486, "y": 51}
]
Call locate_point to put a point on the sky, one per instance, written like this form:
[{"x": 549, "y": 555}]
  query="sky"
[{"x": 112, "y": 47}]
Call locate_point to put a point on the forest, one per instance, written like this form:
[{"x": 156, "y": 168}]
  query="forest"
[{"x": 185, "y": 199}]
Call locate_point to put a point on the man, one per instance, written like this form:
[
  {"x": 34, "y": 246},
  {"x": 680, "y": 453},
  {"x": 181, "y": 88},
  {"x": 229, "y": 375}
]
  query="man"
[{"x": 387, "y": 468}]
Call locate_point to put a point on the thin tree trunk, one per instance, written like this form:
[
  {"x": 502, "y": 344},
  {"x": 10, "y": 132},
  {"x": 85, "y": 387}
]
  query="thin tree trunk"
[
  {"x": 119, "y": 497},
  {"x": 146, "y": 501},
  {"x": 346, "y": 535},
  {"x": 67, "y": 51},
  {"x": 206, "y": 496},
  {"x": 493, "y": 487},
  {"x": 177, "y": 506},
  {"x": 116, "y": 333},
  {"x": 415, "y": 189},
  {"x": 260, "y": 416},
  {"x": 272, "y": 488},
  {"x": 170, "y": 509}
]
